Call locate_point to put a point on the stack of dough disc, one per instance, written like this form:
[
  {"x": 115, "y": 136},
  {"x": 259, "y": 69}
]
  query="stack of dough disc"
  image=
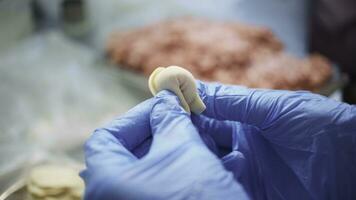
[{"x": 52, "y": 182}]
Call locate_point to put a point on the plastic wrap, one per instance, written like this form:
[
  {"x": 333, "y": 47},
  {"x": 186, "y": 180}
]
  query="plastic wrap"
[{"x": 54, "y": 93}]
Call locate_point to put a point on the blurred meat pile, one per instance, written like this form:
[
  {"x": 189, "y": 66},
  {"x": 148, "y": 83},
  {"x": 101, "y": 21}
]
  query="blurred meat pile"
[{"x": 227, "y": 52}]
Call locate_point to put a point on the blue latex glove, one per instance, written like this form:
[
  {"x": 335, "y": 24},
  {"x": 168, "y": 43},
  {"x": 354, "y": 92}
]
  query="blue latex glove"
[
  {"x": 178, "y": 165},
  {"x": 295, "y": 145},
  {"x": 278, "y": 144}
]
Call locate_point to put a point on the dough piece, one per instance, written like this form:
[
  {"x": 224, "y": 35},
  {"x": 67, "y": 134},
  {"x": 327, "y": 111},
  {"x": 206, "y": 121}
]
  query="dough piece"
[
  {"x": 55, "y": 182},
  {"x": 34, "y": 190},
  {"x": 50, "y": 176},
  {"x": 181, "y": 82}
]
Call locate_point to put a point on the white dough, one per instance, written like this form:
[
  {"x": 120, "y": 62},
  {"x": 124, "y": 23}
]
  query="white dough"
[
  {"x": 181, "y": 82},
  {"x": 51, "y": 176},
  {"x": 55, "y": 182}
]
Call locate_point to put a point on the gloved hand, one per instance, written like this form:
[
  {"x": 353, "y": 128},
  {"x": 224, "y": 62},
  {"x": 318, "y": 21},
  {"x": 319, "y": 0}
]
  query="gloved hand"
[
  {"x": 295, "y": 145},
  {"x": 177, "y": 166},
  {"x": 278, "y": 144}
]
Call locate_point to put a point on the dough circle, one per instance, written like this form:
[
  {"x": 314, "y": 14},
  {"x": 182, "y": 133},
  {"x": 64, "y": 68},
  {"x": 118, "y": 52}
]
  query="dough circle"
[
  {"x": 50, "y": 176},
  {"x": 54, "y": 182},
  {"x": 181, "y": 82}
]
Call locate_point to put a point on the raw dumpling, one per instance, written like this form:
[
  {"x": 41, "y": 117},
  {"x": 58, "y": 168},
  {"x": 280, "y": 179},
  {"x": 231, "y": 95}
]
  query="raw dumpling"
[{"x": 181, "y": 82}]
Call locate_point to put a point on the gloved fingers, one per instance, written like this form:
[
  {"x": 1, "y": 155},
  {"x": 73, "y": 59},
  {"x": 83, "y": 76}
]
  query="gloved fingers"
[
  {"x": 171, "y": 125},
  {"x": 210, "y": 143},
  {"x": 142, "y": 149},
  {"x": 133, "y": 127},
  {"x": 290, "y": 119},
  {"x": 221, "y": 131},
  {"x": 235, "y": 162},
  {"x": 102, "y": 149},
  {"x": 108, "y": 164},
  {"x": 259, "y": 107},
  {"x": 235, "y": 103}
]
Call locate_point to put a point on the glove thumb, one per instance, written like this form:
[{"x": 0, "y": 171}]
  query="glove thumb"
[{"x": 171, "y": 125}]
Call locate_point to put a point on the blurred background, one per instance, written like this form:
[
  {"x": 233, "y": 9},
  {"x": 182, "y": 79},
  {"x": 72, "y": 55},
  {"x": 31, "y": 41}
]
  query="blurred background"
[{"x": 70, "y": 66}]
